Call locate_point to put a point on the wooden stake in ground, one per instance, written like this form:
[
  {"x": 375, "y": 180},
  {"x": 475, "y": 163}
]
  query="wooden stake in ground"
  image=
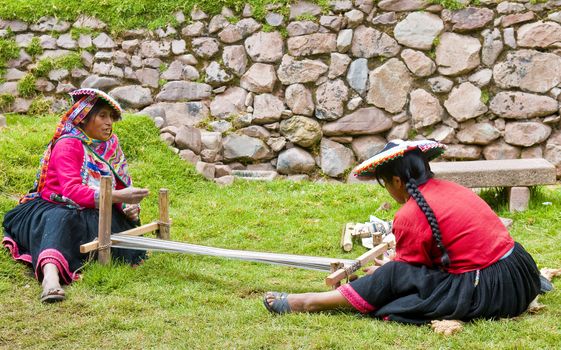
[
  {"x": 104, "y": 230},
  {"x": 163, "y": 202}
]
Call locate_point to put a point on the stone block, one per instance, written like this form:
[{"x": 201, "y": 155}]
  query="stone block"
[
  {"x": 497, "y": 173},
  {"x": 206, "y": 169},
  {"x": 518, "y": 198},
  {"x": 225, "y": 180}
]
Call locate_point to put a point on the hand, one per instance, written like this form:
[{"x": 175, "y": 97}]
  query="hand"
[
  {"x": 132, "y": 211},
  {"x": 130, "y": 195},
  {"x": 380, "y": 262},
  {"x": 370, "y": 269}
]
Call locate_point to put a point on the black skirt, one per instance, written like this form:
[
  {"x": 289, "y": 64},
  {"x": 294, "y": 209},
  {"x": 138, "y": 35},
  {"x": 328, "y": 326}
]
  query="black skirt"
[
  {"x": 405, "y": 293},
  {"x": 40, "y": 232}
]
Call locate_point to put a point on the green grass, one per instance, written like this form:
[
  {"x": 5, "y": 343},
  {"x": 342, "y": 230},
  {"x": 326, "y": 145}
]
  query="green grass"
[
  {"x": 76, "y": 32},
  {"x": 127, "y": 14},
  {"x": 121, "y": 15},
  {"x": 485, "y": 96},
  {"x": 26, "y": 85},
  {"x": 193, "y": 302},
  {"x": 8, "y": 50},
  {"x": 70, "y": 61},
  {"x": 40, "y": 105},
  {"x": 34, "y": 47},
  {"x": 6, "y": 101},
  {"x": 450, "y": 4}
]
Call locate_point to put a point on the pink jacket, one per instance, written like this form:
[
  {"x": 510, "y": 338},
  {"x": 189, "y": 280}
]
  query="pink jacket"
[{"x": 64, "y": 174}]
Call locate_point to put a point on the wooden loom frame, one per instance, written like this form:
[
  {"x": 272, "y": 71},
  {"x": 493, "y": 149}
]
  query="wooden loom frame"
[
  {"x": 162, "y": 227},
  {"x": 338, "y": 272},
  {"x": 103, "y": 242}
]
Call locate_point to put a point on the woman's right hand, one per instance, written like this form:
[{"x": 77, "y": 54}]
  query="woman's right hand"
[
  {"x": 132, "y": 211},
  {"x": 130, "y": 195}
]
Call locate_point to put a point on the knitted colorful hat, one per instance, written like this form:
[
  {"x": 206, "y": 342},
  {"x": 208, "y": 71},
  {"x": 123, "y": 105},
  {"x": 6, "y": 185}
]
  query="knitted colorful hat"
[
  {"x": 395, "y": 149},
  {"x": 79, "y": 93}
]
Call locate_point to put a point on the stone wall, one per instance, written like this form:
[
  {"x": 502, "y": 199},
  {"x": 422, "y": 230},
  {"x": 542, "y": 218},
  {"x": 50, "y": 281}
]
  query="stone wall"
[{"x": 312, "y": 93}]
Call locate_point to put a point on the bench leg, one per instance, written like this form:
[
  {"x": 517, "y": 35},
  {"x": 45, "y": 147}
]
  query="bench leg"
[{"x": 518, "y": 198}]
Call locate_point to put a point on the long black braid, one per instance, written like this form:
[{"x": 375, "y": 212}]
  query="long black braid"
[{"x": 414, "y": 170}]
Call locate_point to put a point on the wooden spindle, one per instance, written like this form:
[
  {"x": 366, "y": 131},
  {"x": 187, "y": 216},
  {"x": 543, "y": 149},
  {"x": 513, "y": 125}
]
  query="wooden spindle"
[
  {"x": 104, "y": 231},
  {"x": 347, "y": 237}
]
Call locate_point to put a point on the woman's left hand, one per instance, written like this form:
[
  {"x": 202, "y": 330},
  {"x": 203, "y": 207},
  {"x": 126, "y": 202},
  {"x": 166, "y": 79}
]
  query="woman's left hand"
[
  {"x": 132, "y": 211},
  {"x": 370, "y": 269}
]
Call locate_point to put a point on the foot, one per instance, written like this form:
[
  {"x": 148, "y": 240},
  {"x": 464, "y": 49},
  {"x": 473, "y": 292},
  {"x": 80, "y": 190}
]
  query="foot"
[
  {"x": 535, "y": 306},
  {"x": 281, "y": 303},
  {"x": 548, "y": 273},
  {"x": 51, "y": 295},
  {"x": 446, "y": 327},
  {"x": 52, "y": 290},
  {"x": 545, "y": 285},
  {"x": 277, "y": 303}
]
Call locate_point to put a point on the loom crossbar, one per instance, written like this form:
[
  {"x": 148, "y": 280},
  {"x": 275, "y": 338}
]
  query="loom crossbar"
[
  {"x": 137, "y": 231},
  {"x": 361, "y": 261}
]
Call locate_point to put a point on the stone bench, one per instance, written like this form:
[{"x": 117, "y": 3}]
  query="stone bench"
[{"x": 514, "y": 174}]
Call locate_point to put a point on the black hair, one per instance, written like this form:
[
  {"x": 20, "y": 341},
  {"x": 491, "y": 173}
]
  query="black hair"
[
  {"x": 414, "y": 170},
  {"x": 99, "y": 104}
]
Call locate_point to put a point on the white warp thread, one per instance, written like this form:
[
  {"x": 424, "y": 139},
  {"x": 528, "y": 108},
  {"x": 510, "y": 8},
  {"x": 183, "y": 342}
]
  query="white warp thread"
[{"x": 300, "y": 261}]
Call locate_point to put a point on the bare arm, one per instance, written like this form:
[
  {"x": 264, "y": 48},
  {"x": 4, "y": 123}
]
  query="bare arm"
[{"x": 130, "y": 195}]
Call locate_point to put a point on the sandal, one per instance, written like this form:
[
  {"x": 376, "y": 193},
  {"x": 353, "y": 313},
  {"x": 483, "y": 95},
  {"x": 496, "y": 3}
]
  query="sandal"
[
  {"x": 52, "y": 295},
  {"x": 280, "y": 304},
  {"x": 545, "y": 285}
]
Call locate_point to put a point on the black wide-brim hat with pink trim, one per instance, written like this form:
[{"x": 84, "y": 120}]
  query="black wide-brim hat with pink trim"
[{"x": 396, "y": 149}]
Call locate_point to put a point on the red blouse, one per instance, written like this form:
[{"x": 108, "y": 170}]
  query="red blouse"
[
  {"x": 472, "y": 233},
  {"x": 64, "y": 174}
]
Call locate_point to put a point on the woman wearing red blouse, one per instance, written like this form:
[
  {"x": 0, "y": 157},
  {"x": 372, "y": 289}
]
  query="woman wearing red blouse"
[
  {"x": 51, "y": 222},
  {"x": 454, "y": 258}
]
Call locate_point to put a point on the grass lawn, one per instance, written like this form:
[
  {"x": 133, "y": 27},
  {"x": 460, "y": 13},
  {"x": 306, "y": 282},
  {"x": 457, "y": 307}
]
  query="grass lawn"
[
  {"x": 193, "y": 302},
  {"x": 120, "y": 15}
]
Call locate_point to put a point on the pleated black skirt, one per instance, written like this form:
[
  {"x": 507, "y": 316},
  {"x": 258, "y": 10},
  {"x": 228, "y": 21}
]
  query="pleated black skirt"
[
  {"x": 40, "y": 232},
  {"x": 405, "y": 293}
]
